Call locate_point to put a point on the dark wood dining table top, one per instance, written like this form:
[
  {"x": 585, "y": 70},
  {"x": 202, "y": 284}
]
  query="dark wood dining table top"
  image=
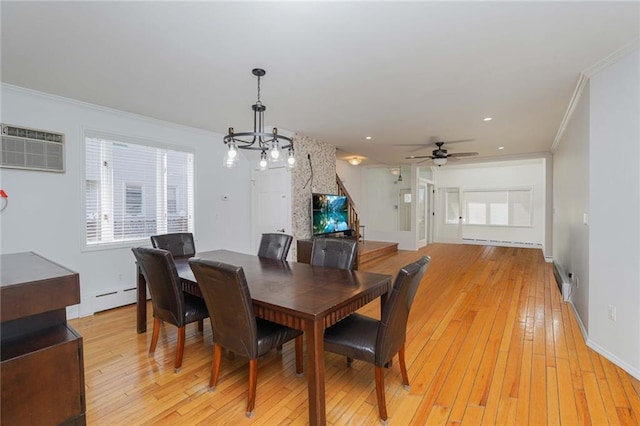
[{"x": 309, "y": 291}]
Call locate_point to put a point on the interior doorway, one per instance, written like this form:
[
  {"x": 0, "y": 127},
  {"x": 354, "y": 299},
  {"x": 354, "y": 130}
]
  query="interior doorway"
[
  {"x": 270, "y": 203},
  {"x": 449, "y": 217}
]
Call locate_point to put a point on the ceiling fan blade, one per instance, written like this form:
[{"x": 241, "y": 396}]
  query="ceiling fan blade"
[
  {"x": 463, "y": 154},
  {"x": 415, "y": 157}
]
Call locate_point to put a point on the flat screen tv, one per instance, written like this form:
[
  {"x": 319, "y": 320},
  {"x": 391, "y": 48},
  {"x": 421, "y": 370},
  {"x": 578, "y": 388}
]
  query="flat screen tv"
[{"x": 329, "y": 213}]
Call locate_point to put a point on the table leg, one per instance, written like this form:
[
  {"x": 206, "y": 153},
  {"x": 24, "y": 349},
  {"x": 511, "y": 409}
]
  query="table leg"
[
  {"x": 314, "y": 333},
  {"x": 141, "y": 303}
]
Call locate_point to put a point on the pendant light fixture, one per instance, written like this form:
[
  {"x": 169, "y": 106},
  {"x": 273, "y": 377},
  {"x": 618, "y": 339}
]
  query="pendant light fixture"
[{"x": 270, "y": 144}]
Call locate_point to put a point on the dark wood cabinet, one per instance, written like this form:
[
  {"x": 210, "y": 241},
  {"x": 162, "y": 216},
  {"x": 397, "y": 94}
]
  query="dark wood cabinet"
[{"x": 41, "y": 368}]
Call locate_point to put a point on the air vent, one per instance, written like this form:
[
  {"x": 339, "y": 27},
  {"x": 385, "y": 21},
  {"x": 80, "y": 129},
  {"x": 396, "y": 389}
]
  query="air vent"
[{"x": 32, "y": 149}]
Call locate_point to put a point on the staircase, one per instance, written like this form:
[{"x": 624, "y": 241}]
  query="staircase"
[
  {"x": 353, "y": 220},
  {"x": 367, "y": 250}
]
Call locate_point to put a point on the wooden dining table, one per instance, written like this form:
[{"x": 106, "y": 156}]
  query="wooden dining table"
[{"x": 298, "y": 295}]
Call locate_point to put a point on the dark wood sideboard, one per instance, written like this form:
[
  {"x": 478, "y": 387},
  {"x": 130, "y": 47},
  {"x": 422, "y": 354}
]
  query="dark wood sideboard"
[{"x": 41, "y": 368}]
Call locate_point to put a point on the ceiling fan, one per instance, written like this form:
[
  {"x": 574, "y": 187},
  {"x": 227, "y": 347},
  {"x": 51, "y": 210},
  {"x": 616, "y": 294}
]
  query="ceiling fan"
[{"x": 440, "y": 155}]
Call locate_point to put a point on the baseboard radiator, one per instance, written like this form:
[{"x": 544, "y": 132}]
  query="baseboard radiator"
[{"x": 563, "y": 281}]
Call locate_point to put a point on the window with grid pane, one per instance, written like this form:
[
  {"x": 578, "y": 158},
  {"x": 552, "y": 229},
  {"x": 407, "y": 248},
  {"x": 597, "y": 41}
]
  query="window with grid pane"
[
  {"x": 135, "y": 189},
  {"x": 508, "y": 207}
]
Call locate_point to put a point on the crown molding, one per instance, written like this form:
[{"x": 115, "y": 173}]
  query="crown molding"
[{"x": 583, "y": 79}]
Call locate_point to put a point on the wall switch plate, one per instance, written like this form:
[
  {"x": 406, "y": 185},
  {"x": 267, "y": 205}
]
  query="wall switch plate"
[
  {"x": 585, "y": 219},
  {"x": 611, "y": 312}
]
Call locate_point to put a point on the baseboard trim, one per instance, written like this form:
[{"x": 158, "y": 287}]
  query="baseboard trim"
[{"x": 634, "y": 372}]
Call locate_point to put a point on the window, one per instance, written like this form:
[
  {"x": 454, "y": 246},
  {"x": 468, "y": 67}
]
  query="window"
[
  {"x": 511, "y": 207},
  {"x": 135, "y": 189}
]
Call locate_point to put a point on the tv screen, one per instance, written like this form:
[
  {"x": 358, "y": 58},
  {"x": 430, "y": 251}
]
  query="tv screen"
[{"x": 329, "y": 213}]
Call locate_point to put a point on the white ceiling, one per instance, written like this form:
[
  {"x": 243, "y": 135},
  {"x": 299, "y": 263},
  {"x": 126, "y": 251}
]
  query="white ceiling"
[{"x": 337, "y": 71}]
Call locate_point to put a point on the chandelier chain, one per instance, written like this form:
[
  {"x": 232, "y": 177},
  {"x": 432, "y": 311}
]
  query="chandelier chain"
[{"x": 258, "y": 102}]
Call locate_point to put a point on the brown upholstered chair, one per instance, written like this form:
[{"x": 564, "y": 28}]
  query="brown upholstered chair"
[
  {"x": 170, "y": 304},
  {"x": 377, "y": 341},
  {"x": 234, "y": 324},
  {"x": 334, "y": 252},
  {"x": 180, "y": 244},
  {"x": 275, "y": 246}
]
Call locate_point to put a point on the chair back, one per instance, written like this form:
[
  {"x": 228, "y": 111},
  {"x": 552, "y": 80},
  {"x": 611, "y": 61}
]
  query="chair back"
[
  {"x": 179, "y": 244},
  {"x": 164, "y": 284},
  {"x": 226, "y": 293},
  {"x": 275, "y": 246},
  {"x": 334, "y": 252},
  {"x": 393, "y": 325}
]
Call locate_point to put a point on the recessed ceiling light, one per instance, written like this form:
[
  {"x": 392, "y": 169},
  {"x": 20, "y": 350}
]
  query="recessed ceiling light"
[
  {"x": 487, "y": 119},
  {"x": 368, "y": 138},
  {"x": 501, "y": 147}
]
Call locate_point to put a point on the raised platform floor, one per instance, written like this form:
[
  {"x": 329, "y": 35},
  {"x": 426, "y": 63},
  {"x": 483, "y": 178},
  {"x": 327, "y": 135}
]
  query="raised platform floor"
[{"x": 367, "y": 251}]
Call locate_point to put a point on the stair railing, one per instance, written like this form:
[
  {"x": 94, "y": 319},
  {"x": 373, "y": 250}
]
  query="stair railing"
[{"x": 351, "y": 208}]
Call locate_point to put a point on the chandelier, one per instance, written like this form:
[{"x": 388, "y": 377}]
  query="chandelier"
[{"x": 269, "y": 144}]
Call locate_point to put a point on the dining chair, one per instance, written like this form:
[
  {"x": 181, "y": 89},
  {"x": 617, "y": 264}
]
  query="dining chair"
[
  {"x": 378, "y": 341},
  {"x": 334, "y": 252},
  {"x": 169, "y": 302},
  {"x": 234, "y": 324},
  {"x": 275, "y": 246},
  {"x": 180, "y": 244}
]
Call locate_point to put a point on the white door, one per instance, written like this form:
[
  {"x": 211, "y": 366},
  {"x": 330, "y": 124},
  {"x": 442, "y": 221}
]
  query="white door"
[
  {"x": 422, "y": 214},
  {"x": 449, "y": 219},
  {"x": 404, "y": 210},
  {"x": 271, "y": 203}
]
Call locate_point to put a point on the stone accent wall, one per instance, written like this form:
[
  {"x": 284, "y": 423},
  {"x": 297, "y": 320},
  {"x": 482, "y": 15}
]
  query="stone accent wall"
[{"x": 323, "y": 161}]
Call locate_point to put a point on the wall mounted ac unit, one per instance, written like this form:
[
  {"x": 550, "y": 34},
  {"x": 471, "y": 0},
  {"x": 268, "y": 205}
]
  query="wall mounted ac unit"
[{"x": 31, "y": 149}]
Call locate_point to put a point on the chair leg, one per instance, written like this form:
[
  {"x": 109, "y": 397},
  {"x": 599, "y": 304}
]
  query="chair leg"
[
  {"x": 200, "y": 326},
  {"x": 403, "y": 368},
  {"x": 382, "y": 405},
  {"x": 299, "y": 362},
  {"x": 253, "y": 381},
  {"x": 215, "y": 366},
  {"x": 279, "y": 348},
  {"x": 154, "y": 336},
  {"x": 349, "y": 361},
  {"x": 180, "y": 349}
]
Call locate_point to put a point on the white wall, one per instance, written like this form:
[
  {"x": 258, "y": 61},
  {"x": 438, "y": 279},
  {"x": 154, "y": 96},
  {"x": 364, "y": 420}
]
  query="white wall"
[
  {"x": 45, "y": 210},
  {"x": 520, "y": 173},
  {"x": 614, "y": 207},
  {"x": 351, "y": 177},
  {"x": 570, "y": 203}
]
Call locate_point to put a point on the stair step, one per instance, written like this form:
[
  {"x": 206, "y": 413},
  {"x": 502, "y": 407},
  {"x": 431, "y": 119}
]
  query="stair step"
[{"x": 372, "y": 250}]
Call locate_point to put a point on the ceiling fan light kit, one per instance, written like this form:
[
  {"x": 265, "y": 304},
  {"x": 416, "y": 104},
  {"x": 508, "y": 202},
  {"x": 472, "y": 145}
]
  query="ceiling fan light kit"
[{"x": 268, "y": 143}]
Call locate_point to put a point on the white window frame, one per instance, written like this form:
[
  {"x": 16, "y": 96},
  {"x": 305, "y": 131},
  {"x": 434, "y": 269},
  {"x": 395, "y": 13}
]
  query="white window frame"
[
  {"x": 508, "y": 190},
  {"x": 106, "y": 239}
]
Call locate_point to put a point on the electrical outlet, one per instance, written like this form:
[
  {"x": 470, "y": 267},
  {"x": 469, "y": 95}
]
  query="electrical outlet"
[{"x": 611, "y": 312}]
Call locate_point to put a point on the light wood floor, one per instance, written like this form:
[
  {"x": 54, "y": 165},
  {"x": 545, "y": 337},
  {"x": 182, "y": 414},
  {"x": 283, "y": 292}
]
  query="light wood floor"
[{"x": 489, "y": 342}]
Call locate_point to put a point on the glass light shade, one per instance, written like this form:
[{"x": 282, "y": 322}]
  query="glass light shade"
[
  {"x": 355, "y": 161},
  {"x": 231, "y": 156},
  {"x": 262, "y": 164},
  {"x": 440, "y": 161},
  {"x": 291, "y": 160},
  {"x": 275, "y": 152}
]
